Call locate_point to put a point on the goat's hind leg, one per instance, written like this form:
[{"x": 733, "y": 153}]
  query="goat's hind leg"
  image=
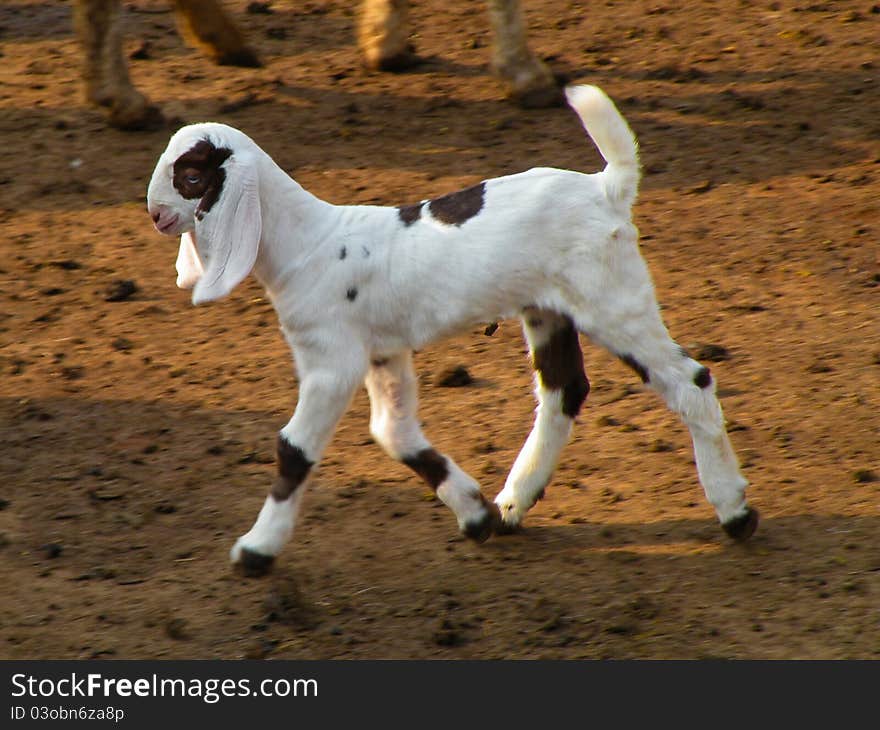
[
  {"x": 561, "y": 386},
  {"x": 393, "y": 389},
  {"x": 641, "y": 341}
]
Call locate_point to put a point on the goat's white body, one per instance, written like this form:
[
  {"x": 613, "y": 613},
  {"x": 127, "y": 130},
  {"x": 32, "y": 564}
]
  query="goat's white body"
[
  {"x": 429, "y": 280},
  {"x": 357, "y": 288}
]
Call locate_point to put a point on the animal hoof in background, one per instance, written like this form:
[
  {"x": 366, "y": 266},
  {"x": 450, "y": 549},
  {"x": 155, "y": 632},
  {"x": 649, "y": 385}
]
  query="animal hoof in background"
[
  {"x": 250, "y": 563},
  {"x": 242, "y": 57},
  {"x": 532, "y": 87},
  {"x": 403, "y": 61},
  {"x": 742, "y": 528},
  {"x": 140, "y": 118}
]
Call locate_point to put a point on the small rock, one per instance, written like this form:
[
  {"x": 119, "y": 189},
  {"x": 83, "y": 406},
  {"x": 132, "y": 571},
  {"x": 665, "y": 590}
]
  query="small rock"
[
  {"x": 73, "y": 372},
  {"x": 52, "y": 550},
  {"x": 66, "y": 264},
  {"x": 120, "y": 290},
  {"x": 454, "y": 377},
  {"x": 259, "y": 8},
  {"x": 261, "y": 649},
  {"x": 175, "y": 628},
  {"x": 660, "y": 446},
  {"x": 448, "y": 635},
  {"x": 702, "y": 187},
  {"x": 864, "y": 476},
  {"x": 712, "y": 353},
  {"x": 142, "y": 52}
]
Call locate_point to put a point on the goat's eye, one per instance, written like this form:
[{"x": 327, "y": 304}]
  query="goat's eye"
[{"x": 193, "y": 179}]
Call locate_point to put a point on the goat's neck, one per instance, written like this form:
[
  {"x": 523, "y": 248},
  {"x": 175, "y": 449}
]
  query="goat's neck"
[{"x": 295, "y": 222}]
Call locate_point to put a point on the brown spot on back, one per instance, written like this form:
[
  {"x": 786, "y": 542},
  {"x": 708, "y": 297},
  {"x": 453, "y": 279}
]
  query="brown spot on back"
[
  {"x": 456, "y": 208},
  {"x": 293, "y": 468},
  {"x": 409, "y": 214},
  {"x": 198, "y": 173},
  {"x": 429, "y": 465},
  {"x": 560, "y": 365}
]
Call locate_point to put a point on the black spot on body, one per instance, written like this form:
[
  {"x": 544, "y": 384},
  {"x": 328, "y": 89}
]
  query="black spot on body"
[
  {"x": 457, "y": 208},
  {"x": 198, "y": 173},
  {"x": 703, "y": 378},
  {"x": 429, "y": 465},
  {"x": 293, "y": 468},
  {"x": 409, "y": 214},
  {"x": 342, "y": 253},
  {"x": 560, "y": 365},
  {"x": 351, "y": 294},
  {"x": 640, "y": 369}
]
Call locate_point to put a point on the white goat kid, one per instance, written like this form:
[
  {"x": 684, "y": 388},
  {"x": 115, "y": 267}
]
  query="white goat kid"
[{"x": 358, "y": 288}]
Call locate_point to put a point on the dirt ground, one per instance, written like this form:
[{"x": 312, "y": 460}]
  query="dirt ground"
[{"x": 138, "y": 432}]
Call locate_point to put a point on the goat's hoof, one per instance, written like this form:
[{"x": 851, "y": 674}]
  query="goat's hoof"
[
  {"x": 253, "y": 564},
  {"x": 537, "y": 97},
  {"x": 505, "y": 528},
  {"x": 146, "y": 118},
  {"x": 397, "y": 63},
  {"x": 242, "y": 57},
  {"x": 742, "y": 528},
  {"x": 483, "y": 529}
]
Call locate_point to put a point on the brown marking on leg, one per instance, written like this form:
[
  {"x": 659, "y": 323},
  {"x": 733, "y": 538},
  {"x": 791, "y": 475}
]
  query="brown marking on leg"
[
  {"x": 635, "y": 365},
  {"x": 293, "y": 468},
  {"x": 429, "y": 465},
  {"x": 560, "y": 365}
]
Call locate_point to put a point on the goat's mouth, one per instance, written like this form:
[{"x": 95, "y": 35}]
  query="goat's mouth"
[{"x": 166, "y": 227}]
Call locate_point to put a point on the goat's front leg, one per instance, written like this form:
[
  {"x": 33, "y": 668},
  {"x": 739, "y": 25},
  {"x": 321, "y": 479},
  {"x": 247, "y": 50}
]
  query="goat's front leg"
[
  {"x": 393, "y": 389},
  {"x": 324, "y": 395}
]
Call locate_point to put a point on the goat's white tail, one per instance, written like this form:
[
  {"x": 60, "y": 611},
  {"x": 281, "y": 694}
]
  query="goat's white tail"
[{"x": 615, "y": 140}]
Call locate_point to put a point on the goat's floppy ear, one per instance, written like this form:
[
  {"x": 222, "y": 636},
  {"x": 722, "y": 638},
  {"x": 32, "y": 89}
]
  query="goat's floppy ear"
[
  {"x": 189, "y": 267},
  {"x": 228, "y": 232}
]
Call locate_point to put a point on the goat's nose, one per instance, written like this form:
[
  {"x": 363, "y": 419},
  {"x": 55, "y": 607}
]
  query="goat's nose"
[{"x": 155, "y": 215}]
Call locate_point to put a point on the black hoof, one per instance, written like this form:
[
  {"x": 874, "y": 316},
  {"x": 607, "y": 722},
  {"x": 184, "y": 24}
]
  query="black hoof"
[
  {"x": 253, "y": 564},
  {"x": 742, "y": 528},
  {"x": 502, "y": 528},
  {"x": 483, "y": 530}
]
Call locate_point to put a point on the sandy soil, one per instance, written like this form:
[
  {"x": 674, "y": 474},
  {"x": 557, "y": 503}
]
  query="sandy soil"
[{"x": 138, "y": 433}]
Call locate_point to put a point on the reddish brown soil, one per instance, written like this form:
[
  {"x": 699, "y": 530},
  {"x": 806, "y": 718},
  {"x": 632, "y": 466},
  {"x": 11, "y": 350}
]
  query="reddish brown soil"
[{"x": 138, "y": 435}]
